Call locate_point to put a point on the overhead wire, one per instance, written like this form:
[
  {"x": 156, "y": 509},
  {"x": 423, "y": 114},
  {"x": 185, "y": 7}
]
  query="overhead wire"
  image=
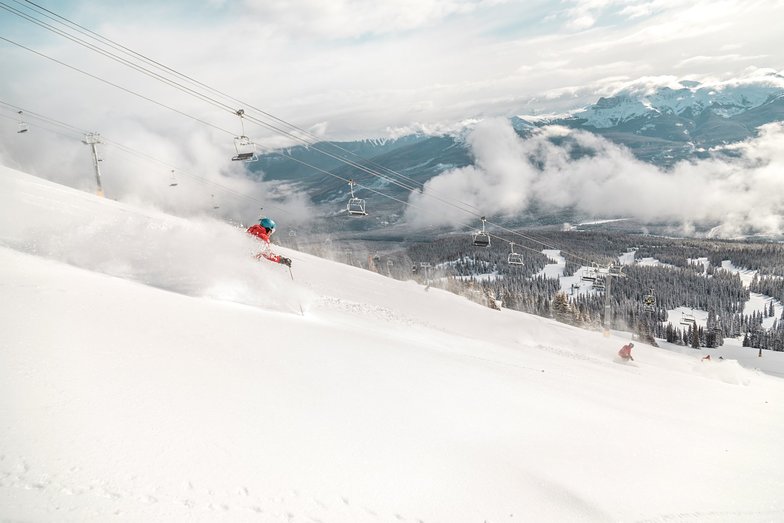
[
  {"x": 92, "y": 34},
  {"x": 76, "y": 131},
  {"x": 208, "y": 123},
  {"x": 134, "y": 152},
  {"x": 224, "y": 106},
  {"x": 313, "y": 143}
]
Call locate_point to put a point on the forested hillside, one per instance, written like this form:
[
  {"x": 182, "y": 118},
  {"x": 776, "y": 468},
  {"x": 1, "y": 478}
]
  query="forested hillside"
[{"x": 674, "y": 272}]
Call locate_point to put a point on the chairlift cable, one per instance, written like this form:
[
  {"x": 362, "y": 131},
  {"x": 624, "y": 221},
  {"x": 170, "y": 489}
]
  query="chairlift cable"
[
  {"x": 145, "y": 156},
  {"x": 232, "y": 192},
  {"x": 113, "y": 56},
  {"x": 224, "y": 106},
  {"x": 118, "y": 86},
  {"x": 96, "y": 36},
  {"x": 228, "y": 108},
  {"x": 201, "y": 97},
  {"x": 206, "y": 98}
]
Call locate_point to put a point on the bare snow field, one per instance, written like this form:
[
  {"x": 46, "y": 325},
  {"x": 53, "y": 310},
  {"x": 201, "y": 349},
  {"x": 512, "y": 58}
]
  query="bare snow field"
[{"x": 152, "y": 370}]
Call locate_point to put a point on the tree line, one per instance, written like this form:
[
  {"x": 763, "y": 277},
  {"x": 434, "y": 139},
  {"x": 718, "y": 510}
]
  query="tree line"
[{"x": 689, "y": 275}]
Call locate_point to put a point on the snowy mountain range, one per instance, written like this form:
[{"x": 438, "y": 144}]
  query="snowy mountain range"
[
  {"x": 661, "y": 123},
  {"x": 685, "y": 98},
  {"x": 684, "y": 119},
  {"x": 151, "y": 369}
]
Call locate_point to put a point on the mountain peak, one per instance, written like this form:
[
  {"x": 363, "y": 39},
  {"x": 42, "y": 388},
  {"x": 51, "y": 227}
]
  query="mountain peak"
[{"x": 645, "y": 98}]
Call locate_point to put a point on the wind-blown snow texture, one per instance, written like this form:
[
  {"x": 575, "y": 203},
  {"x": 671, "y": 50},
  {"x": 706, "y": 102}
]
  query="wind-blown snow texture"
[{"x": 152, "y": 370}]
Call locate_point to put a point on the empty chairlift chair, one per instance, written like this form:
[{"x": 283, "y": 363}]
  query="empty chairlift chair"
[
  {"x": 22, "y": 126},
  {"x": 246, "y": 149},
  {"x": 515, "y": 258},
  {"x": 481, "y": 238},
  {"x": 590, "y": 274},
  {"x": 355, "y": 206},
  {"x": 687, "y": 320}
]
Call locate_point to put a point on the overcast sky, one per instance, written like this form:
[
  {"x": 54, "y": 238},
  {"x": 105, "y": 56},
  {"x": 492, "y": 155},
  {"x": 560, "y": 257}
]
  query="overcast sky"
[{"x": 355, "y": 68}]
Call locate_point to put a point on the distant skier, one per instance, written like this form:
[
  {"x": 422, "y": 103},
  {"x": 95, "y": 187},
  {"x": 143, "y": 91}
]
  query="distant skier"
[
  {"x": 626, "y": 352},
  {"x": 704, "y": 358},
  {"x": 263, "y": 231}
]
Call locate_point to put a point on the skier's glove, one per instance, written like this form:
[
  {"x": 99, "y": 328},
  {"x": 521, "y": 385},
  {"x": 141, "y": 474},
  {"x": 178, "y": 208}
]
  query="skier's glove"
[{"x": 285, "y": 261}]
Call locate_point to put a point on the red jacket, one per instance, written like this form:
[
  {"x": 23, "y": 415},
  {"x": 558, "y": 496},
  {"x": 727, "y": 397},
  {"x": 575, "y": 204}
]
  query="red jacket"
[
  {"x": 625, "y": 352},
  {"x": 261, "y": 233}
]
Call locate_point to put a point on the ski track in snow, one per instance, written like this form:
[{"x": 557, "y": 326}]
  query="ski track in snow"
[
  {"x": 66, "y": 494},
  {"x": 362, "y": 309}
]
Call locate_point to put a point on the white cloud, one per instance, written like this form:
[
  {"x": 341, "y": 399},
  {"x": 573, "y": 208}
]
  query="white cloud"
[
  {"x": 137, "y": 168},
  {"x": 723, "y": 59},
  {"x": 355, "y": 18},
  {"x": 736, "y": 195}
]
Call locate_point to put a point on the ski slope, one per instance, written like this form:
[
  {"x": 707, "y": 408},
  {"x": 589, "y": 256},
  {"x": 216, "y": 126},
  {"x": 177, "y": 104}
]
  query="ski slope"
[{"x": 152, "y": 370}]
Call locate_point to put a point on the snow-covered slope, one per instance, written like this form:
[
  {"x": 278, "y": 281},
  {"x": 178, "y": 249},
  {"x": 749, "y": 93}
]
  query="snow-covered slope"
[{"x": 152, "y": 370}]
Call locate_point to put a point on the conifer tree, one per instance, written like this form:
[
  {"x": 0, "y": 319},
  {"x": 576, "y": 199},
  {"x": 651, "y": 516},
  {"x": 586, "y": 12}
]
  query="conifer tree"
[
  {"x": 695, "y": 337},
  {"x": 562, "y": 310}
]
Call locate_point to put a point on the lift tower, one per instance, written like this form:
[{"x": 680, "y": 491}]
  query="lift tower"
[{"x": 92, "y": 139}]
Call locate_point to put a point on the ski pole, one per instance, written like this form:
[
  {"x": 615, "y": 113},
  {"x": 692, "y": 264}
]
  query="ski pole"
[{"x": 298, "y": 302}]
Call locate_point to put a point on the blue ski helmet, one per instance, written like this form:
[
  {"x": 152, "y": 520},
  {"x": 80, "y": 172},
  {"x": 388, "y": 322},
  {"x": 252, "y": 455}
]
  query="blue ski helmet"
[{"x": 267, "y": 223}]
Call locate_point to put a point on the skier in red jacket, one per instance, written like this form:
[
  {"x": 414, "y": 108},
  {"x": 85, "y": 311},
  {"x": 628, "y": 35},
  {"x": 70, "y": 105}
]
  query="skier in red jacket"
[
  {"x": 263, "y": 231},
  {"x": 626, "y": 352}
]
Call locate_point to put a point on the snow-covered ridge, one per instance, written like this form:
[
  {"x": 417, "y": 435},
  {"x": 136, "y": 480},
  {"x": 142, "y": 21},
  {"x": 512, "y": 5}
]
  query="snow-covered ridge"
[
  {"x": 669, "y": 96},
  {"x": 723, "y": 98}
]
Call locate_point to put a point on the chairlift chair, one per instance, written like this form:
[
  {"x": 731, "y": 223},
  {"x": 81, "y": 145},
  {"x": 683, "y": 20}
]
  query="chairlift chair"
[
  {"x": 355, "y": 206},
  {"x": 246, "y": 149},
  {"x": 22, "y": 127},
  {"x": 590, "y": 274},
  {"x": 481, "y": 238},
  {"x": 514, "y": 258},
  {"x": 687, "y": 320},
  {"x": 649, "y": 302},
  {"x": 173, "y": 180}
]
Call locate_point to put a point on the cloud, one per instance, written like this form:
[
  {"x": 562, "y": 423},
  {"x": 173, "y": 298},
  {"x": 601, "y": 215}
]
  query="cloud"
[
  {"x": 725, "y": 58},
  {"x": 733, "y": 195},
  {"x": 355, "y": 18},
  {"x": 137, "y": 164}
]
